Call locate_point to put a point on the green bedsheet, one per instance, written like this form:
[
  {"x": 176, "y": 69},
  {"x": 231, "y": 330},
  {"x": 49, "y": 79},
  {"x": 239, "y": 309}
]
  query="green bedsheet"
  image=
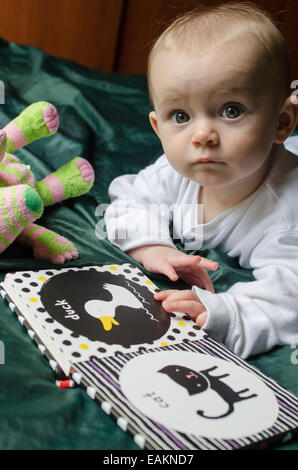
[{"x": 104, "y": 119}]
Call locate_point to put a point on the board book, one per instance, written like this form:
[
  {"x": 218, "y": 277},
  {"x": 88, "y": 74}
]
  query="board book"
[{"x": 158, "y": 375}]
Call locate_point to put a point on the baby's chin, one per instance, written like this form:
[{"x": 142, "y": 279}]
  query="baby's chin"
[{"x": 209, "y": 175}]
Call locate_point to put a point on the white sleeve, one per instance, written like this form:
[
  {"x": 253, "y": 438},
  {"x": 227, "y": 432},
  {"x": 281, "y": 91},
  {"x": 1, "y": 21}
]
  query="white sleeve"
[
  {"x": 138, "y": 214},
  {"x": 253, "y": 317}
]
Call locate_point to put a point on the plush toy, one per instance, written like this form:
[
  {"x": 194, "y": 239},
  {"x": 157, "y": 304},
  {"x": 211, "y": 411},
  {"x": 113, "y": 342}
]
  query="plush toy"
[{"x": 22, "y": 199}]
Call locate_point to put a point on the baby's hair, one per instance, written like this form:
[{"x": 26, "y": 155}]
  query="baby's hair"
[{"x": 205, "y": 25}]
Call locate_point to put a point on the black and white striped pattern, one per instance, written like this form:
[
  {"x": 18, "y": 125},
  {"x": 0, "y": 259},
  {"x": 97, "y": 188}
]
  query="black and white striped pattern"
[{"x": 103, "y": 376}]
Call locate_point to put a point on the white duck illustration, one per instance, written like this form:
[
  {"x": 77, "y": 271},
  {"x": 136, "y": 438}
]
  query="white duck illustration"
[{"x": 105, "y": 310}]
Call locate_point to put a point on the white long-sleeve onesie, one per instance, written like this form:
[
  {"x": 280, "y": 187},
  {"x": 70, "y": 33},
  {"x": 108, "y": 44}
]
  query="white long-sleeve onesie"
[{"x": 261, "y": 231}]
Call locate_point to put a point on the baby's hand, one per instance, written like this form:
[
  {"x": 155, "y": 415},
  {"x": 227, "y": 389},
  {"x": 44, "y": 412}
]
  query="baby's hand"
[
  {"x": 175, "y": 264},
  {"x": 184, "y": 301}
]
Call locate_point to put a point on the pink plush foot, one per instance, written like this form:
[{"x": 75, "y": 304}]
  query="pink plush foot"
[
  {"x": 86, "y": 170},
  {"x": 73, "y": 179},
  {"x": 51, "y": 118},
  {"x": 48, "y": 245},
  {"x": 42, "y": 251}
]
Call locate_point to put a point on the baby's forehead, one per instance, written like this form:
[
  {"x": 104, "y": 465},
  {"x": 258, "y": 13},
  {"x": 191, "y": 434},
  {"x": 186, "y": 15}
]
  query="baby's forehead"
[
  {"x": 243, "y": 43},
  {"x": 203, "y": 33},
  {"x": 240, "y": 61}
]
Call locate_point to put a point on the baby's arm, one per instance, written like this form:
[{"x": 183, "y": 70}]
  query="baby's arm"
[
  {"x": 250, "y": 317},
  {"x": 175, "y": 264}
]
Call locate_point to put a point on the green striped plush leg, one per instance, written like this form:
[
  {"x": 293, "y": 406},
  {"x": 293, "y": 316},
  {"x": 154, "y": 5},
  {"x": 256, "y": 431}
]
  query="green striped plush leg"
[
  {"x": 71, "y": 180},
  {"x": 3, "y": 144},
  {"x": 48, "y": 245},
  {"x": 19, "y": 206},
  {"x": 38, "y": 120}
]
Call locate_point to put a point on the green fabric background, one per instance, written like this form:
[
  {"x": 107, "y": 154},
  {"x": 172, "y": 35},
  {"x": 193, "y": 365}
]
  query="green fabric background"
[{"x": 103, "y": 117}]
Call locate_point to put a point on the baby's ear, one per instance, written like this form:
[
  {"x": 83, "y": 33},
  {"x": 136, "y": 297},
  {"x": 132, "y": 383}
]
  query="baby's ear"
[
  {"x": 153, "y": 121},
  {"x": 287, "y": 120}
]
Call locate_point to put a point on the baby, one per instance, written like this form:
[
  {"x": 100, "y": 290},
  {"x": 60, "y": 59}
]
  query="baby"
[{"x": 219, "y": 84}]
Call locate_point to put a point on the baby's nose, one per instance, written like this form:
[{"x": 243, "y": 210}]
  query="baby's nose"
[{"x": 205, "y": 135}]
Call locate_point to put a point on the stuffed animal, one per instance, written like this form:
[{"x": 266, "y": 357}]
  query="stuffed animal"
[{"x": 22, "y": 199}]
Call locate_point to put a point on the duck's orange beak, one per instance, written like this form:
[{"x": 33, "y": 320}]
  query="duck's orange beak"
[{"x": 108, "y": 322}]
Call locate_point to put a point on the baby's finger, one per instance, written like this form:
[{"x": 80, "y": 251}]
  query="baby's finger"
[
  {"x": 174, "y": 294},
  {"x": 181, "y": 260},
  {"x": 207, "y": 283},
  {"x": 164, "y": 294},
  {"x": 201, "y": 319},
  {"x": 208, "y": 264},
  {"x": 191, "y": 279},
  {"x": 201, "y": 280},
  {"x": 168, "y": 270},
  {"x": 192, "y": 307}
]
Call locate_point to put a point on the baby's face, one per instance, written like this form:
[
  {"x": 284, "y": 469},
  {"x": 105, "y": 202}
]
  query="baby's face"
[{"x": 216, "y": 113}]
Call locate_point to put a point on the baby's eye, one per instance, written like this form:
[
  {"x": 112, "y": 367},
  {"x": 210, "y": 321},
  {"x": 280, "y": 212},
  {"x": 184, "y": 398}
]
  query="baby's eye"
[
  {"x": 180, "y": 117},
  {"x": 232, "y": 111}
]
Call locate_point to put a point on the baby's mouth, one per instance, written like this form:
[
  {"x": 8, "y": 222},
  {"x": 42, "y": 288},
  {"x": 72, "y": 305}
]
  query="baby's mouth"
[{"x": 206, "y": 160}]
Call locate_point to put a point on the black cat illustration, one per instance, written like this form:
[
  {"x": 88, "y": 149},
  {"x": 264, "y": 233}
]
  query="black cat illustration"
[{"x": 197, "y": 382}]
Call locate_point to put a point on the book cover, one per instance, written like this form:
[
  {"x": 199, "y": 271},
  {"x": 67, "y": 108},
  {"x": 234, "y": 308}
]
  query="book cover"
[
  {"x": 94, "y": 310},
  {"x": 157, "y": 374}
]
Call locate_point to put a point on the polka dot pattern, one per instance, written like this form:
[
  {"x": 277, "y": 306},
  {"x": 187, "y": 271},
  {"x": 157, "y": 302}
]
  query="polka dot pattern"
[{"x": 78, "y": 347}]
